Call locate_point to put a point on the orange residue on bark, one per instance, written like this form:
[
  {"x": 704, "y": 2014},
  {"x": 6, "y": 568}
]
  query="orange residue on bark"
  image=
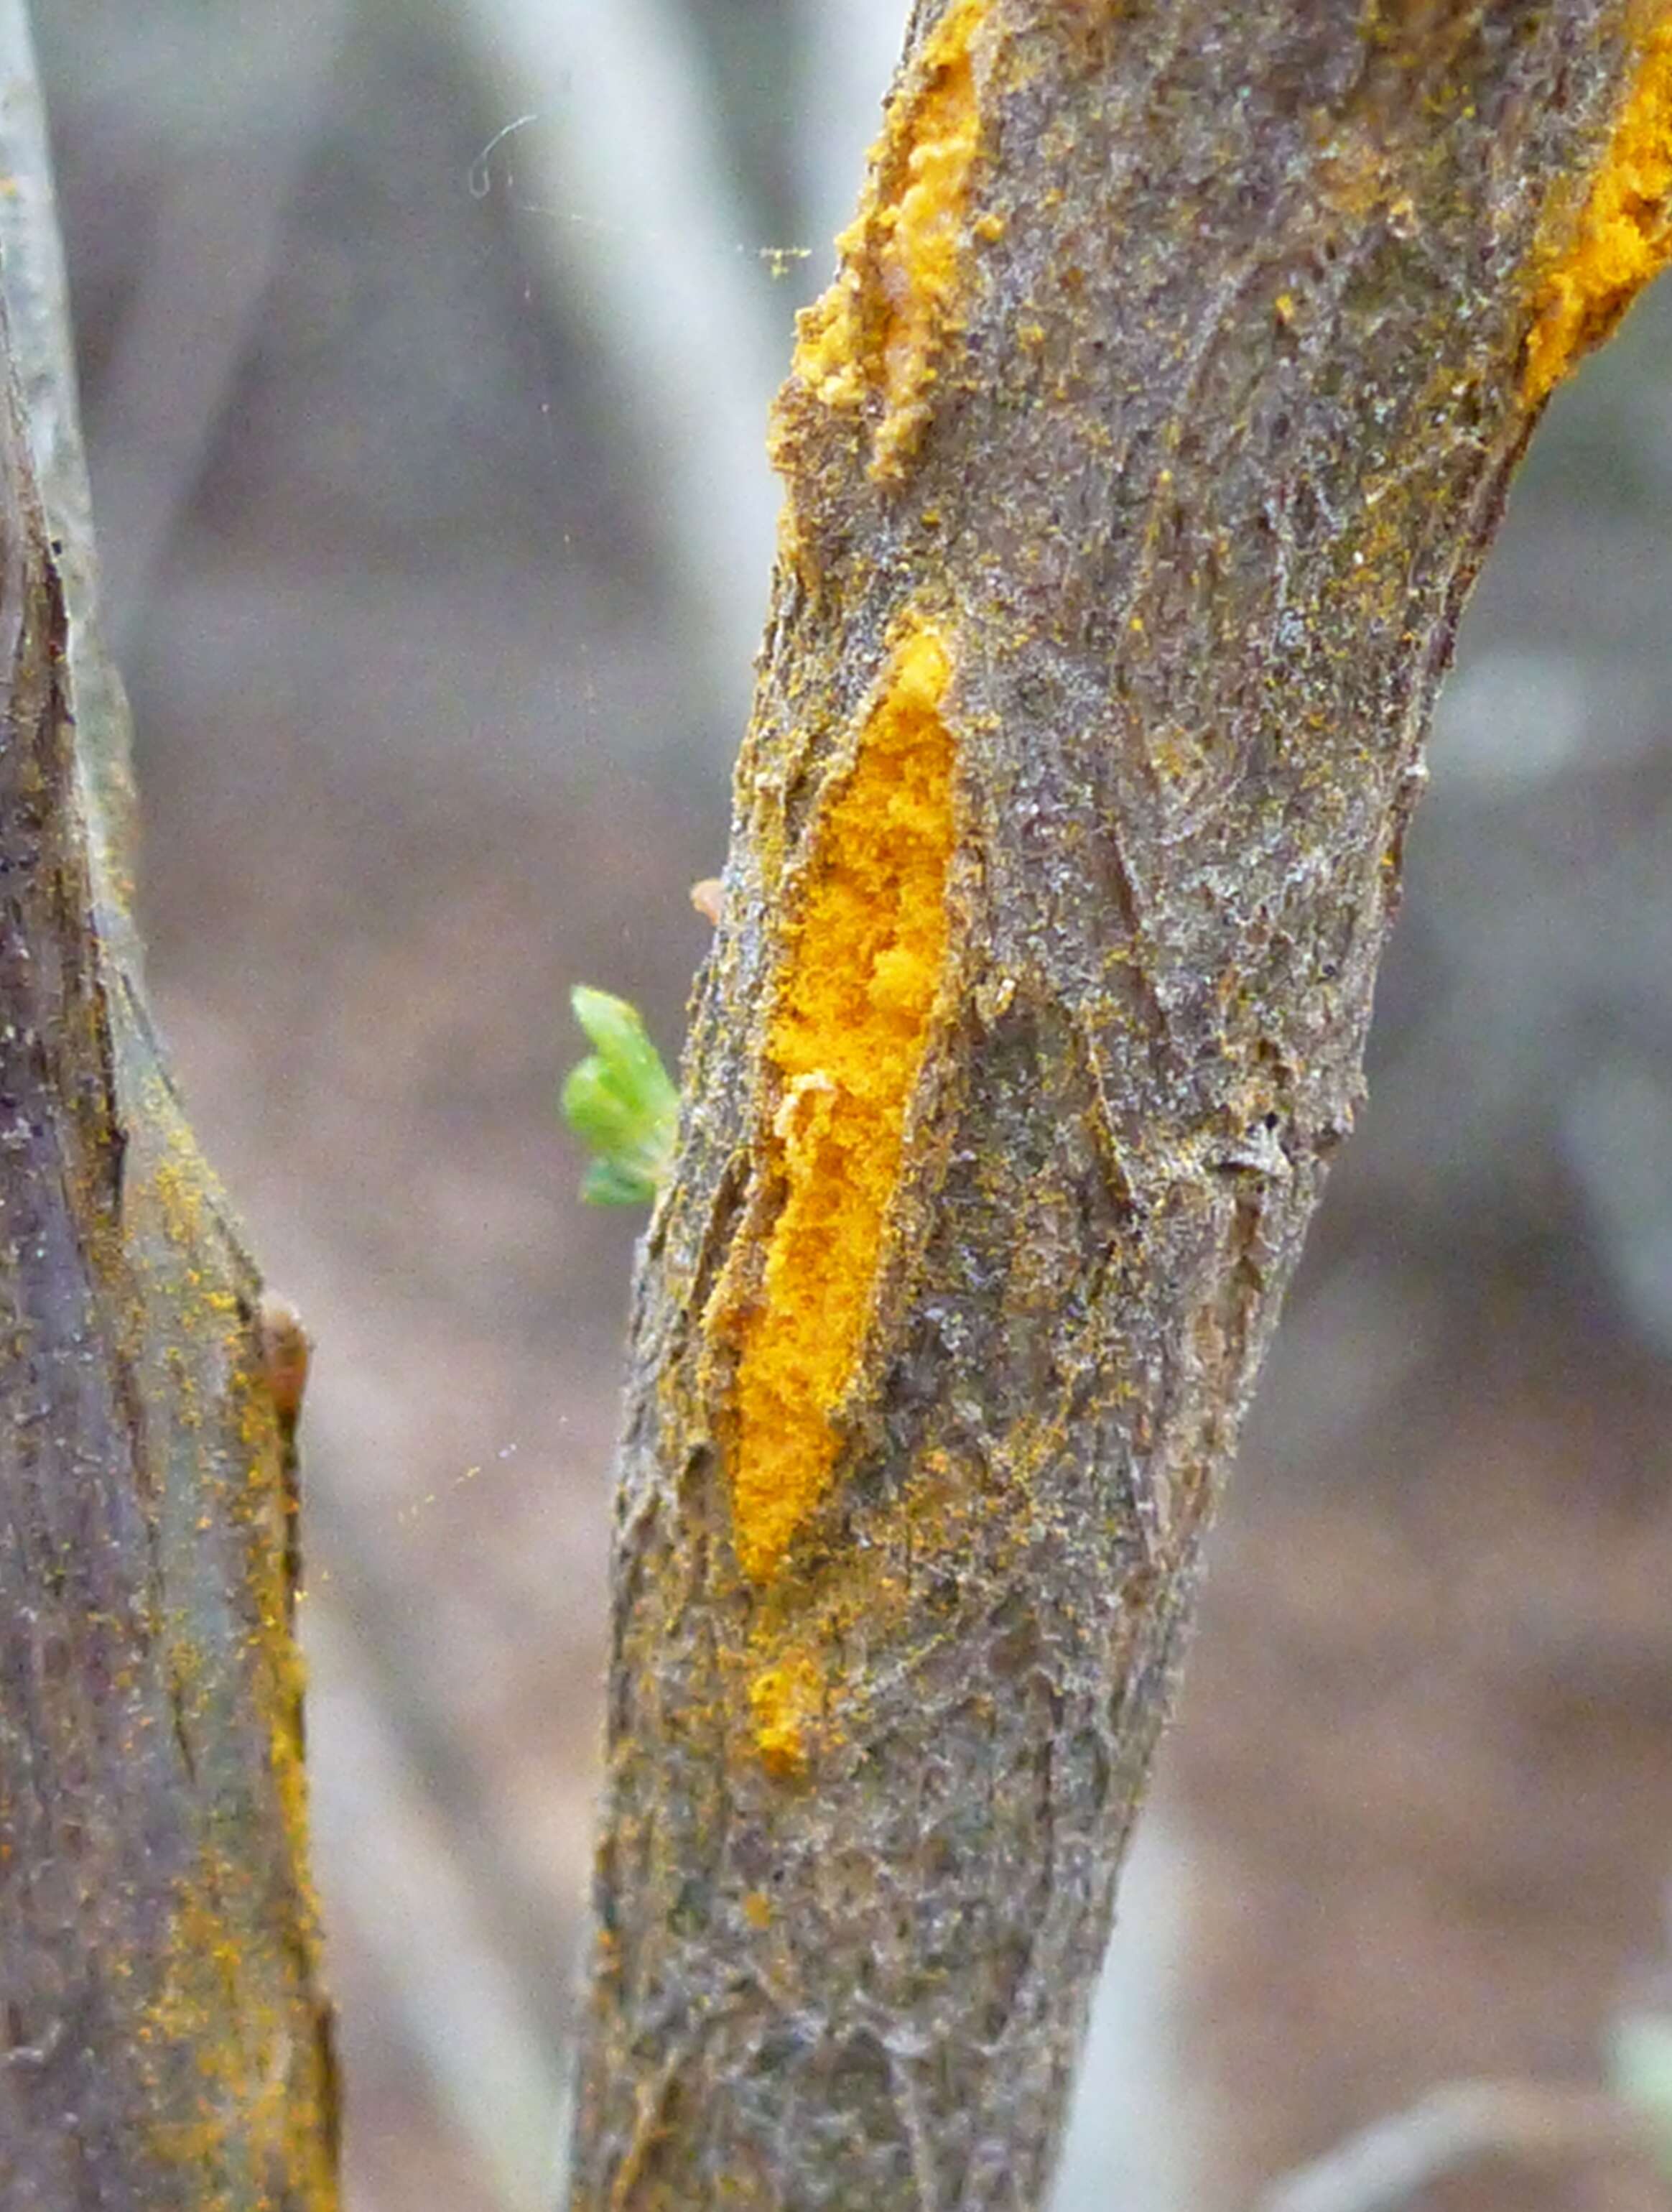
[
  {"x": 1623, "y": 235},
  {"x": 845, "y": 1048},
  {"x": 785, "y": 1701},
  {"x": 241, "y": 1956},
  {"x": 216, "y": 2047},
  {"x": 882, "y": 323}
]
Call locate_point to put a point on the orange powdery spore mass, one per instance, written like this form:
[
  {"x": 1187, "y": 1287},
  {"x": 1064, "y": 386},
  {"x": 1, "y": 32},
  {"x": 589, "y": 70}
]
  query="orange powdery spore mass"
[
  {"x": 1623, "y": 233},
  {"x": 882, "y": 323},
  {"x": 785, "y": 1701},
  {"x": 846, "y": 1046}
]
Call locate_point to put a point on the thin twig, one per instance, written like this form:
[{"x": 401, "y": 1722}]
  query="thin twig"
[
  {"x": 210, "y": 260},
  {"x": 616, "y": 149},
  {"x": 848, "y": 55},
  {"x": 421, "y": 1702},
  {"x": 390, "y": 1868},
  {"x": 1528, "y": 2122},
  {"x": 37, "y": 306}
]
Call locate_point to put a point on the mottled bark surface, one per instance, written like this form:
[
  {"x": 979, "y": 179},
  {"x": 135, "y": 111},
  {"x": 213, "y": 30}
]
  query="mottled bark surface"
[
  {"x": 163, "y": 2039},
  {"x": 1145, "y": 456}
]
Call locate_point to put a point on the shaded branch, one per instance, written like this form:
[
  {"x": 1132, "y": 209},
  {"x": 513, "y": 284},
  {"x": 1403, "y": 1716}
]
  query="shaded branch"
[{"x": 166, "y": 2038}]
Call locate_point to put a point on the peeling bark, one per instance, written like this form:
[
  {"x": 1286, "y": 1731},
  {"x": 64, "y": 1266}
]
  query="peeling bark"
[
  {"x": 163, "y": 2038},
  {"x": 1177, "y": 366}
]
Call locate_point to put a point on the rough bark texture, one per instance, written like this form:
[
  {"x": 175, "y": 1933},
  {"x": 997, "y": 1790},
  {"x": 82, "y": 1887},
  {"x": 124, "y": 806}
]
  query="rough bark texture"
[
  {"x": 1137, "y": 466},
  {"x": 163, "y": 2042}
]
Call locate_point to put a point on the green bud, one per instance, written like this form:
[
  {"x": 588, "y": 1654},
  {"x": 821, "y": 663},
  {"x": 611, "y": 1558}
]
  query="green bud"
[
  {"x": 608, "y": 1183},
  {"x": 620, "y": 1103},
  {"x": 598, "y": 1111}
]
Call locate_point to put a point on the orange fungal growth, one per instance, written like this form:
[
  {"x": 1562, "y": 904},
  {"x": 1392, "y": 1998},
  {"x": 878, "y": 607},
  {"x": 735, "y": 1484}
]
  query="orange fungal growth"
[
  {"x": 882, "y": 325},
  {"x": 783, "y": 1702},
  {"x": 847, "y": 1045},
  {"x": 1624, "y": 233}
]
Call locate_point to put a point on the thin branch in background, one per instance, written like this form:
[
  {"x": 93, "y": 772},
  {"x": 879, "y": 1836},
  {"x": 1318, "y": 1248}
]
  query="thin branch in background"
[
  {"x": 37, "y": 299},
  {"x": 425, "y": 1714},
  {"x": 37, "y": 286},
  {"x": 393, "y": 1871},
  {"x": 213, "y": 249},
  {"x": 647, "y": 234},
  {"x": 848, "y": 55},
  {"x": 1528, "y": 2123},
  {"x": 1137, "y": 2120}
]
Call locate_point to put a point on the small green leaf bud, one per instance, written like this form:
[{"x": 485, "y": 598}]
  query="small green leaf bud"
[{"x": 620, "y": 1103}]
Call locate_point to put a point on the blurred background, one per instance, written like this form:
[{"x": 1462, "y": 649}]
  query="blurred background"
[{"x": 426, "y": 346}]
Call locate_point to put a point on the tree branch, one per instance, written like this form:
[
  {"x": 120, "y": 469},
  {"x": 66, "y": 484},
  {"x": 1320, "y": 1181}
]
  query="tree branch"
[
  {"x": 1138, "y": 464},
  {"x": 165, "y": 2042}
]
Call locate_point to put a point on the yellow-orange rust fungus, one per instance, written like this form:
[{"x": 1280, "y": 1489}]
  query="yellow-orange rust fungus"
[
  {"x": 881, "y": 323},
  {"x": 785, "y": 1701},
  {"x": 1623, "y": 233},
  {"x": 847, "y": 1045}
]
